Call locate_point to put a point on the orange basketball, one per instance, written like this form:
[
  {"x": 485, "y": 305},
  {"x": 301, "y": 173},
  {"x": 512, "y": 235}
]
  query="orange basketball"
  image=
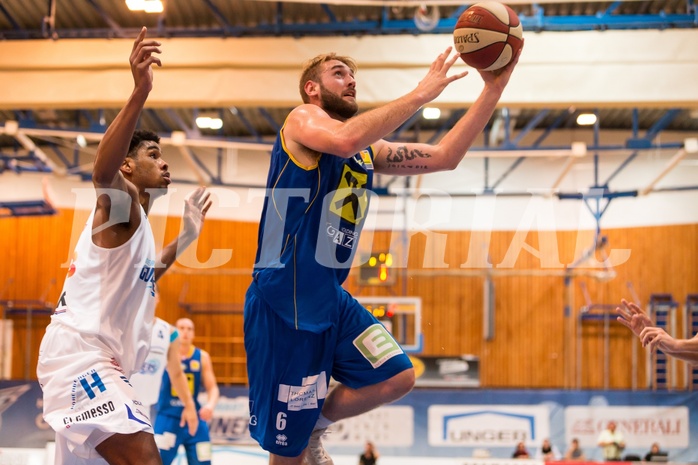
[{"x": 488, "y": 35}]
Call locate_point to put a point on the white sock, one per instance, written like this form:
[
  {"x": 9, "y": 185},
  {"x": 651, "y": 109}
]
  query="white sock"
[{"x": 323, "y": 422}]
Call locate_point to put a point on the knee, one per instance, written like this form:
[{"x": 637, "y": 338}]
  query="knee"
[{"x": 401, "y": 384}]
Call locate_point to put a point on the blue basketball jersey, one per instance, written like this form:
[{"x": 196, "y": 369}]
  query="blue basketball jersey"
[
  {"x": 169, "y": 402},
  {"x": 309, "y": 232}
]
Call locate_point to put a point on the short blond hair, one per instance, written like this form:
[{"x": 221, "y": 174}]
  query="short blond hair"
[{"x": 311, "y": 70}]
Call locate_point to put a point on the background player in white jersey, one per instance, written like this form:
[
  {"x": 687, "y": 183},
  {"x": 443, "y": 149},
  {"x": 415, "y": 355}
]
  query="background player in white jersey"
[
  {"x": 100, "y": 331},
  {"x": 164, "y": 355},
  {"x": 169, "y": 433}
]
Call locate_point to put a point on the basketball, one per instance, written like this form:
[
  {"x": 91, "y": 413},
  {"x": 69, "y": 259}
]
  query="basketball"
[{"x": 488, "y": 35}]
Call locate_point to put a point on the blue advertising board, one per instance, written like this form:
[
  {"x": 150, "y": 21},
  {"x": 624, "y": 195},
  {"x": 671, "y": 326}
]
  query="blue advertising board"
[{"x": 442, "y": 423}]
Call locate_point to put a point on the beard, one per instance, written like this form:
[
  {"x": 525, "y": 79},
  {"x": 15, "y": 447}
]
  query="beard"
[{"x": 333, "y": 103}]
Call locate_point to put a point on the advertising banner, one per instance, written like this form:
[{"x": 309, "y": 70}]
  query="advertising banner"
[
  {"x": 487, "y": 425},
  {"x": 391, "y": 425},
  {"x": 640, "y": 426},
  {"x": 439, "y": 372},
  {"x": 458, "y": 423}
]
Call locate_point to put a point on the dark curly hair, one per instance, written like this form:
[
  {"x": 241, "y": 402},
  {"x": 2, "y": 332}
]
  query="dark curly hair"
[{"x": 139, "y": 136}]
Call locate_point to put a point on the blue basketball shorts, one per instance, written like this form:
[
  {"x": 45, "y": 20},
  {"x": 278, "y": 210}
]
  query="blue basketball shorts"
[
  {"x": 289, "y": 370},
  {"x": 169, "y": 436}
]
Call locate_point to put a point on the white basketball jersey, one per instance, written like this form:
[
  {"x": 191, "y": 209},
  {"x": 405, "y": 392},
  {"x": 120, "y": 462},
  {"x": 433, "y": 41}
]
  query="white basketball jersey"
[
  {"x": 147, "y": 381},
  {"x": 110, "y": 293}
]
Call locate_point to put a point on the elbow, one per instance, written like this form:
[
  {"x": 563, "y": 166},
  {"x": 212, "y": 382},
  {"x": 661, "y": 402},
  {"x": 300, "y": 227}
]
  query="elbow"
[
  {"x": 450, "y": 166},
  {"x": 347, "y": 146},
  {"x": 448, "y": 161},
  {"x": 99, "y": 179},
  {"x": 446, "y": 165}
]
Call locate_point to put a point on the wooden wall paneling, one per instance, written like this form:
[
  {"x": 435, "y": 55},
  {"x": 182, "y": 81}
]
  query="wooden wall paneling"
[
  {"x": 529, "y": 345},
  {"x": 219, "y": 332}
]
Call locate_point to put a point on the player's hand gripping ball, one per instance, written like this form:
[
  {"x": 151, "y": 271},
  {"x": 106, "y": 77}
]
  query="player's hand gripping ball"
[{"x": 488, "y": 35}]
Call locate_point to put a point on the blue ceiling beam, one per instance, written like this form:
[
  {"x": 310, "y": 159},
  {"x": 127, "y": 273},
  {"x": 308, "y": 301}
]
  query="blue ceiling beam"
[
  {"x": 328, "y": 11},
  {"x": 154, "y": 114},
  {"x": 114, "y": 28},
  {"x": 269, "y": 119},
  {"x": 382, "y": 26},
  {"x": 446, "y": 126},
  {"x": 57, "y": 151},
  {"x": 613, "y": 7},
  {"x": 200, "y": 164},
  {"x": 190, "y": 131},
  {"x": 662, "y": 123},
  {"x": 219, "y": 15},
  {"x": 645, "y": 141},
  {"x": 458, "y": 11},
  {"x": 533, "y": 122},
  {"x": 512, "y": 144},
  {"x": 15, "y": 25},
  {"x": 250, "y": 128},
  {"x": 411, "y": 121}
]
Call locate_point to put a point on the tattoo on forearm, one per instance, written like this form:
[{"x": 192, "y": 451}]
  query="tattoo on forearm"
[{"x": 404, "y": 158}]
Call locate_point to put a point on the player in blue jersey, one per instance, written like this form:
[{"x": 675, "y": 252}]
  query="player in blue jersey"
[
  {"x": 170, "y": 433},
  {"x": 301, "y": 326}
]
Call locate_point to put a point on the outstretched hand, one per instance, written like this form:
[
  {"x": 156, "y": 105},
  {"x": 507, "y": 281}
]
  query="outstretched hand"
[
  {"x": 633, "y": 317},
  {"x": 500, "y": 77},
  {"x": 436, "y": 79},
  {"x": 142, "y": 59},
  {"x": 656, "y": 338},
  {"x": 196, "y": 204}
]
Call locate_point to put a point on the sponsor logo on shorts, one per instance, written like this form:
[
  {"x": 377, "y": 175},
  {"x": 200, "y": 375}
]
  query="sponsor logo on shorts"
[
  {"x": 306, "y": 396},
  {"x": 94, "y": 412},
  {"x": 377, "y": 345},
  {"x": 89, "y": 384},
  {"x": 281, "y": 440}
]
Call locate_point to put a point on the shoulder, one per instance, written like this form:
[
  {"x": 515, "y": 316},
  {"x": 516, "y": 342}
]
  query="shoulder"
[
  {"x": 204, "y": 355},
  {"x": 307, "y": 110},
  {"x": 303, "y": 115}
]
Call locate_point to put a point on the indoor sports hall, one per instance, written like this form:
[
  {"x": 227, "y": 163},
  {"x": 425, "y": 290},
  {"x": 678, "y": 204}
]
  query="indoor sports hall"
[{"x": 500, "y": 278}]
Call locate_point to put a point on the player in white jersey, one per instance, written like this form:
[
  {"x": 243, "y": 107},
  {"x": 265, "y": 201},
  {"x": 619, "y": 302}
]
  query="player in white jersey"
[
  {"x": 164, "y": 354},
  {"x": 100, "y": 331}
]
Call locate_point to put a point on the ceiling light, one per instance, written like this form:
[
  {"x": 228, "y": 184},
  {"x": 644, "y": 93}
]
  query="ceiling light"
[
  {"x": 135, "y": 5},
  {"x": 586, "y": 119},
  {"x": 11, "y": 127},
  {"x": 431, "y": 113},
  {"x": 149, "y": 6},
  {"x": 209, "y": 122},
  {"x": 154, "y": 6}
]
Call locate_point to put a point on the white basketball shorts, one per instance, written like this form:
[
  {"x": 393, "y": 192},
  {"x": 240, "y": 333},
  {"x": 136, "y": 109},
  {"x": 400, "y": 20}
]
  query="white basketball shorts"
[{"x": 87, "y": 396}]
